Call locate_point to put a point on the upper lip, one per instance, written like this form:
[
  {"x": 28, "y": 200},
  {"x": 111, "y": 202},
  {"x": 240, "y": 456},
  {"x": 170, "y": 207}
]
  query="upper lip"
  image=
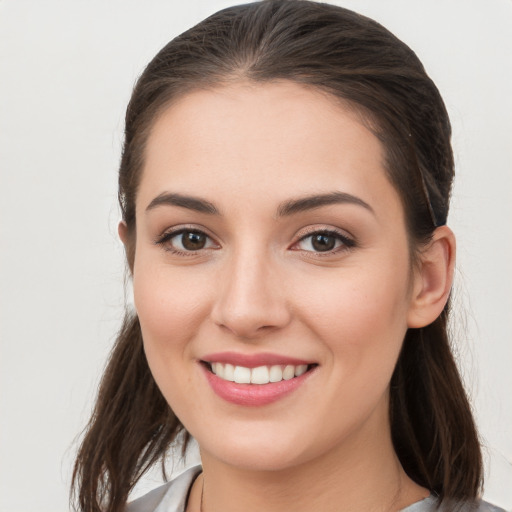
[{"x": 253, "y": 360}]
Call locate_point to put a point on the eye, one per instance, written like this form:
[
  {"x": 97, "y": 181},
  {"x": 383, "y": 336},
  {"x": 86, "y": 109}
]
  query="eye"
[
  {"x": 185, "y": 241},
  {"x": 326, "y": 241}
]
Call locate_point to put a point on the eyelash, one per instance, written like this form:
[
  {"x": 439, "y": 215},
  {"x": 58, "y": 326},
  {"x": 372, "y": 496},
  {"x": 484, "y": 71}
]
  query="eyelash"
[
  {"x": 164, "y": 239},
  {"x": 346, "y": 243}
]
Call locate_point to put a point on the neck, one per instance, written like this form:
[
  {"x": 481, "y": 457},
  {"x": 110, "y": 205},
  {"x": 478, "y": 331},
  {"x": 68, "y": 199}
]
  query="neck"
[{"x": 361, "y": 474}]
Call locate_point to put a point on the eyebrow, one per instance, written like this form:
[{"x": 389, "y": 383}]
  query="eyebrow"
[
  {"x": 317, "y": 201},
  {"x": 285, "y": 209},
  {"x": 192, "y": 203}
]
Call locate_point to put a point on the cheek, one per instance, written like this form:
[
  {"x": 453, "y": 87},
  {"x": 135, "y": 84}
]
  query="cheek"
[
  {"x": 168, "y": 302},
  {"x": 357, "y": 300},
  {"x": 362, "y": 319},
  {"x": 363, "y": 327},
  {"x": 169, "y": 307}
]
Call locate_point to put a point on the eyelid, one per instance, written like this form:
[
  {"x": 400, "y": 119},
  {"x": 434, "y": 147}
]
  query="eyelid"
[
  {"x": 164, "y": 238},
  {"x": 347, "y": 241}
]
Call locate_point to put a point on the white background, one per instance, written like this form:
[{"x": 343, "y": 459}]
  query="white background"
[{"x": 66, "y": 72}]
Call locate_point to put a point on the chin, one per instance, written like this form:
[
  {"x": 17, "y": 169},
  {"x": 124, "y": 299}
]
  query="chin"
[
  {"x": 257, "y": 457},
  {"x": 260, "y": 447}
]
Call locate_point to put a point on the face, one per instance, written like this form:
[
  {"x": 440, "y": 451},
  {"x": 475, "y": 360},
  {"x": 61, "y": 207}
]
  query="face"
[{"x": 272, "y": 274}]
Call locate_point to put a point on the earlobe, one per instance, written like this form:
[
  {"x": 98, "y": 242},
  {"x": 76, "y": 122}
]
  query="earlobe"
[{"x": 433, "y": 279}]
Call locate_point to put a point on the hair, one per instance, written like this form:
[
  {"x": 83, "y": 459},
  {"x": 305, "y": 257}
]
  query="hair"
[{"x": 361, "y": 63}]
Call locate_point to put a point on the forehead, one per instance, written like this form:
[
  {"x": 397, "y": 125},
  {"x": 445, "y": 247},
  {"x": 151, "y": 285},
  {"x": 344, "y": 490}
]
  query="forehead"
[{"x": 254, "y": 141}]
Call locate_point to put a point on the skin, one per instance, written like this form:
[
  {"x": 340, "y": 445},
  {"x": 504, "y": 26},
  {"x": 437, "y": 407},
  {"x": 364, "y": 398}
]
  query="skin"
[{"x": 258, "y": 285}]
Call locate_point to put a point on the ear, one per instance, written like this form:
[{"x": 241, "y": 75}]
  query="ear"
[
  {"x": 432, "y": 279},
  {"x": 122, "y": 231}
]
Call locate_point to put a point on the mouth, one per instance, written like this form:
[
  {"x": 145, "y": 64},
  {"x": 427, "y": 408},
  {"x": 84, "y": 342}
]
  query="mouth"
[
  {"x": 259, "y": 375},
  {"x": 255, "y": 379}
]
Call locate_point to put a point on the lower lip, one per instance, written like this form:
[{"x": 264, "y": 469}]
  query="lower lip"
[{"x": 253, "y": 394}]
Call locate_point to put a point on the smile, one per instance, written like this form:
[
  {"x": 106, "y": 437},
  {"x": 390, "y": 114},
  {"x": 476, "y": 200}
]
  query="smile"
[
  {"x": 255, "y": 380},
  {"x": 259, "y": 375}
]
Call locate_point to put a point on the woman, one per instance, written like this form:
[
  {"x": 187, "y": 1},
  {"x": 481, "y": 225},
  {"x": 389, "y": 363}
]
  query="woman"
[{"x": 284, "y": 187}]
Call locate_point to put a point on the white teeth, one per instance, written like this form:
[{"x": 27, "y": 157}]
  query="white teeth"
[
  {"x": 259, "y": 375},
  {"x": 299, "y": 370},
  {"x": 229, "y": 372},
  {"x": 288, "y": 372},
  {"x": 276, "y": 373},
  {"x": 220, "y": 370},
  {"x": 242, "y": 375}
]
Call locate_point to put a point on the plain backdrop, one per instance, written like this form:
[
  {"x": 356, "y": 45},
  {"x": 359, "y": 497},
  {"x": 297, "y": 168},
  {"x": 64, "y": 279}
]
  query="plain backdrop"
[{"x": 66, "y": 72}]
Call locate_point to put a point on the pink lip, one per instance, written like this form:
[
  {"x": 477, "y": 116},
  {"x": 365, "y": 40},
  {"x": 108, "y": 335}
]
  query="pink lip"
[
  {"x": 253, "y": 394},
  {"x": 252, "y": 360}
]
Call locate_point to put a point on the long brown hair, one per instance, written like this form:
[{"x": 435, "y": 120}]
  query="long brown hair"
[{"x": 357, "y": 60}]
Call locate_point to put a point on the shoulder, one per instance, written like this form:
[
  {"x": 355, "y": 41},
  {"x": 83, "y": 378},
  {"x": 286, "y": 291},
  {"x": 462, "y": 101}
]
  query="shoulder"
[
  {"x": 479, "y": 506},
  {"x": 170, "y": 497},
  {"x": 483, "y": 506},
  {"x": 431, "y": 504}
]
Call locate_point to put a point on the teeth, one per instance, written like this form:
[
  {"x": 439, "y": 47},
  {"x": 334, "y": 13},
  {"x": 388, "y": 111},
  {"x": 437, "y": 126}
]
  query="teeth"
[
  {"x": 259, "y": 375},
  {"x": 242, "y": 374},
  {"x": 220, "y": 370},
  {"x": 299, "y": 370},
  {"x": 288, "y": 372},
  {"x": 276, "y": 373},
  {"x": 229, "y": 372}
]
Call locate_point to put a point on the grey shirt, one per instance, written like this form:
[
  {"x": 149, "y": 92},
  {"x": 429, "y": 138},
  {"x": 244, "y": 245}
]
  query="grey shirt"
[{"x": 172, "y": 497}]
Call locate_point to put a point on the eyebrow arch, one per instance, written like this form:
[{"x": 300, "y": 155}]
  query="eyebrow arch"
[
  {"x": 317, "y": 201},
  {"x": 192, "y": 203}
]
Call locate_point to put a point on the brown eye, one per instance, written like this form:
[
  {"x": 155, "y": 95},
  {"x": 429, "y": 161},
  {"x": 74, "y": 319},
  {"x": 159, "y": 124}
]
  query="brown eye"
[
  {"x": 322, "y": 242},
  {"x": 193, "y": 240},
  {"x": 186, "y": 241}
]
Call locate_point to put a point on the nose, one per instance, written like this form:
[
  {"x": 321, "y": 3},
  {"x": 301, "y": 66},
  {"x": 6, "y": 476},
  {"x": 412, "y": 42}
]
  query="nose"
[{"x": 251, "y": 297}]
